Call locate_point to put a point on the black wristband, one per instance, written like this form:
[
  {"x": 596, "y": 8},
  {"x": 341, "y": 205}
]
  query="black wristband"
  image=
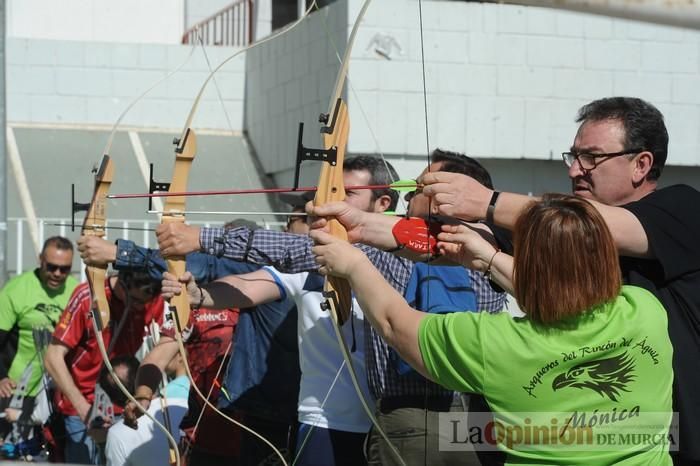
[
  {"x": 492, "y": 206},
  {"x": 150, "y": 376}
]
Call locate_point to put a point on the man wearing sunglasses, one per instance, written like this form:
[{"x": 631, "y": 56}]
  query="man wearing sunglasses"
[
  {"x": 32, "y": 300},
  {"x": 263, "y": 396},
  {"x": 74, "y": 361}
]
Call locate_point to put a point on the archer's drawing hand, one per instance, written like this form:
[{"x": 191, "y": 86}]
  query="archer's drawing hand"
[
  {"x": 466, "y": 245},
  {"x": 336, "y": 257}
]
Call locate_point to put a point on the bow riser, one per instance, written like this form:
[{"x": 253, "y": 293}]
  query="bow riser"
[
  {"x": 181, "y": 303},
  {"x": 184, "y": 155},
  {"x": 97, "y": 277},
  {"x": 94, "y": 225},
  {"x": 331, "y": 188},
  {"x": 175, "y": 206}
]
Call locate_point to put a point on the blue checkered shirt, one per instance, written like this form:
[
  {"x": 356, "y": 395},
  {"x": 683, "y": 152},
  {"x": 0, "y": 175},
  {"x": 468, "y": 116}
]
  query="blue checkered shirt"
[{"x": 291, "y": 253}]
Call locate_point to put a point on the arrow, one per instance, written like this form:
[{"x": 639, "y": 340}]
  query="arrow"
[{"x": 401, "y": 186}]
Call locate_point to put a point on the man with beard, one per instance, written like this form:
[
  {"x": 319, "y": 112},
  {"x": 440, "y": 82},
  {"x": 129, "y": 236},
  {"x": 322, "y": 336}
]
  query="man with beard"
[
  {"x": 615, "y": 162},
  {"x": 32, "y": 301}
]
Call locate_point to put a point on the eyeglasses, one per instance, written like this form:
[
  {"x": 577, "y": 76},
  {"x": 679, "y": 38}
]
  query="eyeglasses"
[
  {"x": 64, "y": 269},
  {"x": 589, "y": 161}
]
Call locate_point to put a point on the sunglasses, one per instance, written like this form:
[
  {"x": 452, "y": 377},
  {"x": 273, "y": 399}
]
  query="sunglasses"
[{"x": 64, "y": 269}]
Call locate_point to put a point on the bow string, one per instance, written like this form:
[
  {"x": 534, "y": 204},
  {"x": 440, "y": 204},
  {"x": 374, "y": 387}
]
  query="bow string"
[
  {"x": 174, "y": 211},
  {"x": 337, "y": 291},
  {"x": 94, "y": 225}
]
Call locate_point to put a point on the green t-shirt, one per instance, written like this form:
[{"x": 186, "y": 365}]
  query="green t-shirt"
[
  {"x": 597, "y": 392},
  {"x": 25, "y": 304}
]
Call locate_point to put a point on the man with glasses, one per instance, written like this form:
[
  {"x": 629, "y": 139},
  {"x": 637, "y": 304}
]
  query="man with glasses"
[
  {"x": 408, "y": 406},
  {"x": 32, "y": 300},
  {"x": 615, "y": 161},
  {"x": 74, "y": 361},
  {"x": 332, "y": 422}
]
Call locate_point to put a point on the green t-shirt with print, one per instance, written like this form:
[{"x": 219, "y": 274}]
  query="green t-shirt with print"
[
  {"x": 25, "y": 304},
  {"x": 595, "y": 392}
]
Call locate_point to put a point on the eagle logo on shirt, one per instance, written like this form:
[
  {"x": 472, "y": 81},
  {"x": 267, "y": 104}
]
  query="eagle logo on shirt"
[
  {"x": 607, "y": 377},
  {"x": 51, "y": 311}
]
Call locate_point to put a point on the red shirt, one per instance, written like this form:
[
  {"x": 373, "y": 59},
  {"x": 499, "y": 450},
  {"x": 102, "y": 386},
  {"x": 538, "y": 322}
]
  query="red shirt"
[
  {"x": 208, "y": 339},
  {"x": 75, "y": 330}
]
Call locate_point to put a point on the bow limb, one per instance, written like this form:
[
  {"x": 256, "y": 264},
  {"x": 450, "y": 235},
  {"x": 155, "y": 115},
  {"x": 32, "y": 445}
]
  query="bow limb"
[
  {"x": 174, "y": 210},
  {"x": 279, "y": 33},
  {"x": 211, "y": 406},
  {"x": 174, "y": 453},
  {"x": 337, "y": 291},
  {"x": 331, "y": 188},
  {"x": 94, "y": 225},
  {"x": 185, "y": 150},
  {"x": 330, "y": 184},
  {"x": 115, "y": 126},
  {"x": 173, "y": 213},
  {"x": 211, "y": 389}
]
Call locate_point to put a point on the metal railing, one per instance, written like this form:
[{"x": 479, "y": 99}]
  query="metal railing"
[
  {"x": 22, "y": 255},
  {"x": 231, "y": 26}
]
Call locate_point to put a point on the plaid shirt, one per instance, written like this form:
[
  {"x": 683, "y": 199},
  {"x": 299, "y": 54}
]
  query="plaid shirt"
[{"x": 292, "y": 254}]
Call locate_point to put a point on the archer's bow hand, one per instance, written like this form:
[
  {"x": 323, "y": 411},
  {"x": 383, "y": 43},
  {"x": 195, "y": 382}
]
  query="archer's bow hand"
[
  {"x": 177, "y": 239},
  {"x": 362, "y": 227},
  {"x": 96, "y": 251},
  {"x": 171, "y": 286},
  {"x": 336, "y": 257},
  {"x": 456, "y": 195}
]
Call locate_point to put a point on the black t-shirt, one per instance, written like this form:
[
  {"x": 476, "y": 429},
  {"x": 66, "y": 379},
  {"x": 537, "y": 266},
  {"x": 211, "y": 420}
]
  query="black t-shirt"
[{"x": 671, "y": 220}]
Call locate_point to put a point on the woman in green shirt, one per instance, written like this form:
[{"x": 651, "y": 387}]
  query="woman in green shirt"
[{"x": 584, "y": 378}]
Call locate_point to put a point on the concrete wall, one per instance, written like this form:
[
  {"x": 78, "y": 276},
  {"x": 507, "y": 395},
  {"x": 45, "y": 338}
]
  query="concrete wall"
[
  {"x": 139, "y": 21},
  {"x": 72, "y": 82},
  {"x": 503, "y": 82},
  {"x": 290, "y": 80}
]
